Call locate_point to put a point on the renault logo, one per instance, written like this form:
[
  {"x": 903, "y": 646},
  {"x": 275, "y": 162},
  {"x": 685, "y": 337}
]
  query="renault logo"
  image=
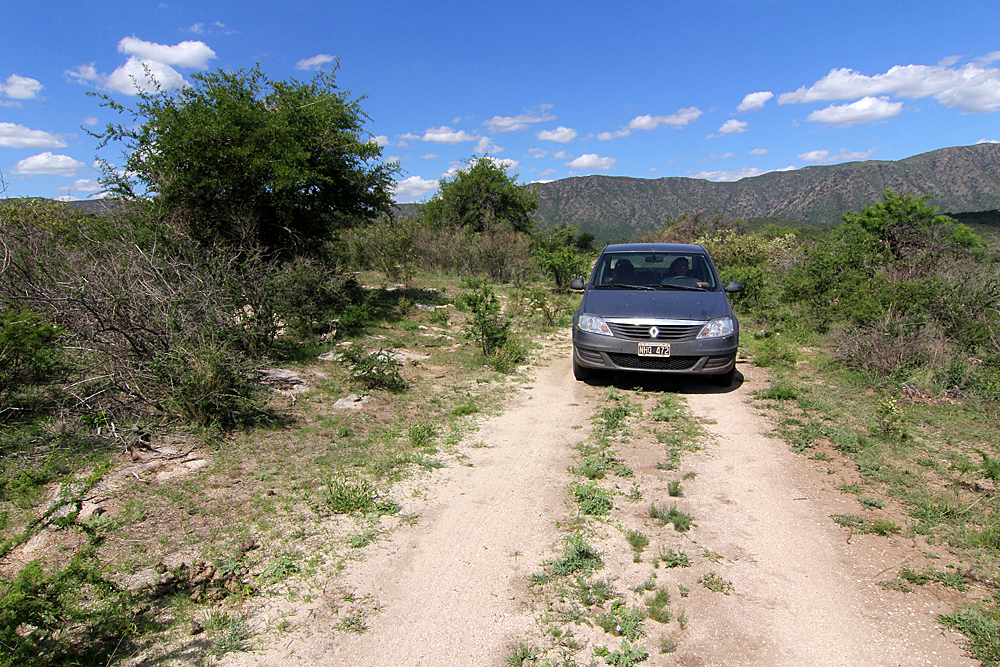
[{"x": 654, "y": 332}]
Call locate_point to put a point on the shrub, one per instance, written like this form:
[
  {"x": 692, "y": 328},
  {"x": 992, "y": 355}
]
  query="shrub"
[
  {"x": 492, "y": 330},
  {"x": 67, "y": 615},
  {"x": 502, "y": 255},
  {"x": 387, "y": 245},
  {"x": 375, "y": 370},
  {"x": 29, "y": 355},
  {"x": 209, "y": 385}
]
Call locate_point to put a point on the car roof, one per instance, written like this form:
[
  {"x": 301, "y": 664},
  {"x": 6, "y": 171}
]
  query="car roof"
[{"x": 654, "y": 247}]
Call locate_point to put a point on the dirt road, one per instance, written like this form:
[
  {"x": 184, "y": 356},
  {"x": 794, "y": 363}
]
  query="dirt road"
[{"x": 454, "y": 589}]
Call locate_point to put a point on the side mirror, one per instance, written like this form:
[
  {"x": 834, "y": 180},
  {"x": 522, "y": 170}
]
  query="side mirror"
[
  {"x": 734, "y": 286},
  {"x": 577, "y": 284}
]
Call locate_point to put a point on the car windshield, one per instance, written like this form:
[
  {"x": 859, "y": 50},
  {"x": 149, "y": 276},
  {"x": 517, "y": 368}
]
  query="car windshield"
[{"x": 654, "y": 270}]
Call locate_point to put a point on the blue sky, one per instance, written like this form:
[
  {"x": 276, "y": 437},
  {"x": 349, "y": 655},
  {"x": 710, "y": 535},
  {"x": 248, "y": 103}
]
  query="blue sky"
[{"x": 715, "y": 89}]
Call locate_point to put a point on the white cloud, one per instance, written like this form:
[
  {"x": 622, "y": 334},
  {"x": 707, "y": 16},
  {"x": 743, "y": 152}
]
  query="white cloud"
[
  {"x": 380, "y": 140},
  {"x": 83, "y": 73},
  {"x": 20, "y": 87},
  {"x": 735, "y": 175},
  {"x": 679, "y": 119},
  {"x": 443, "y": 135},
  {"x": 47, "y": 163},
  {"x": 147, "y": 60},
  {"x": 414, "y": 186},
  {"x": 537, "y": 153},
  {"x": 82, "y": 185},
  {"x": 561, "y": 135},
  {"x": 987, "y": 141},
  {"x": 138, "y": 75},
  {"x": 814, "y": 156},
  {"x": 971, "y": 88},
  {"x": 865, "y": 110},
  {"x": 759, "y": 151},
  {"x": 592, "y": 161},
  {"x": 512, "y": 123},
  {"x": 185, "y": 54},
  {"x": 755, "y": 101},
  {"x": 430, "y": 156},
  {"x": 316, "y": 62},
  {"x": 507, "y": 163},
  {"x": 734, "y": 127},
  {"x": 19, "y": 136},
  {"x": 607, "y": 136},
  {"x": 486, "y": 145},
  {"x": 843, "y": 156}
]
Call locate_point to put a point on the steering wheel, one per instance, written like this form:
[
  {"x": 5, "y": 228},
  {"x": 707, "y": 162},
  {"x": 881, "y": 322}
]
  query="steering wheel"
[{"x": 681, "y": 281}]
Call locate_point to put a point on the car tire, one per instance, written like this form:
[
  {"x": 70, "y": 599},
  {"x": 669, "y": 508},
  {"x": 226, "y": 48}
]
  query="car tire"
[
  {"x": 725, "y": 379},
  {"x": 581, "y": 372}
]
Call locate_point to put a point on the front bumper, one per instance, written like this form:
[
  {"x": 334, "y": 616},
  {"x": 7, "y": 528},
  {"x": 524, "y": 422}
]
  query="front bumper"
[{"x": 712, "y": 356}]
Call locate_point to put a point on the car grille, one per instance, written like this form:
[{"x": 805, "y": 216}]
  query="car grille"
[
  {"x": 668, "y": 332},
  {"x": 653, "y": 363}
]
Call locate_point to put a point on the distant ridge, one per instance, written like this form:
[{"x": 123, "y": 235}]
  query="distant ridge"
[{"x": 961, "y": 179}]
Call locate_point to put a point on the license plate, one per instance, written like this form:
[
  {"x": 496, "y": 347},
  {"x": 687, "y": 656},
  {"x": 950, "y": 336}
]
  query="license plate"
[{"x": 654, "y": 349}]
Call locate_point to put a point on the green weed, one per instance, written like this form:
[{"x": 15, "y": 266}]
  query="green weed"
[{"x": 716, "y": 584}]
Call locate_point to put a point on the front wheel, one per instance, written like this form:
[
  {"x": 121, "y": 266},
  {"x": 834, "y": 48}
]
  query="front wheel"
[
  {"x": 581, "y": 372},
  {"x": 725, "y": 379}
]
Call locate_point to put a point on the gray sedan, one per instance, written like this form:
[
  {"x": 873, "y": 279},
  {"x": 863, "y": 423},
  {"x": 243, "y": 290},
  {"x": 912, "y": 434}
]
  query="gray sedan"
[{"x": 658, "y": 308}]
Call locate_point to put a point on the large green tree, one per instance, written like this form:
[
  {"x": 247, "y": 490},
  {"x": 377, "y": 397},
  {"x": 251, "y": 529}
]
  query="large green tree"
[
  {"x": 482, "y": 197},
  {"x": 238, "y": 158}
]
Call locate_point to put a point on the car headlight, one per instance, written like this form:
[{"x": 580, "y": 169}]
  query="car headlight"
[
  {"x": 719, "y": 328},
  {"x": 593, "y": 324}
]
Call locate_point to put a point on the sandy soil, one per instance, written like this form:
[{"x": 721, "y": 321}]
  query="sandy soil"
[{"x": 453, "y": 589}]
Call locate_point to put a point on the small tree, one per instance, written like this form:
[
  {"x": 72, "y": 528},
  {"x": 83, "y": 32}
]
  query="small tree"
[
  {"x": 482, "y": 197},
  {"x": 237, "y": 158},
  {"x": 900, "y": 225},
  {"x": 555, "y": 253}
]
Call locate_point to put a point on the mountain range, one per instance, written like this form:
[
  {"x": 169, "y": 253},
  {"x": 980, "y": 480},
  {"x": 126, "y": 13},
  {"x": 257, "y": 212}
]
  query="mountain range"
[{"x": 961, "y": 179}]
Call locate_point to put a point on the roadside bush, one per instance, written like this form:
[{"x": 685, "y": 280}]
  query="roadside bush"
[
  {"x": 387, "y": 245},
  {"x": 502, "y": 255},
  {"x": 166, "y": 328},
  {"x": 67, "y": 615},
  {"x": 304, "y": 297},
  {"x": 556, "y": 255},
  {"x": 210, "y": 386},
  {"x": 492, "y": 330},
  {"x": 29, "y": 354},
  {"x": 375, "y": 370},
  {"x": 760, "y": 262}
]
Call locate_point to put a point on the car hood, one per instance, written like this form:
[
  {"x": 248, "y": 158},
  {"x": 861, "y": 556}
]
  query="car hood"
[{"x": 660, "y": 304}]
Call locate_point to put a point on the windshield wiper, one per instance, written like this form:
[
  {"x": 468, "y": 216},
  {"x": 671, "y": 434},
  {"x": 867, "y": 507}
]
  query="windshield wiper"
[
  {"x": 621, "y": 286},
  {"x": 690, "y": 288}
]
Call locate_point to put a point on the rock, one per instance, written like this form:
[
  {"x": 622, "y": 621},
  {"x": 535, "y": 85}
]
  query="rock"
[
  {"x": 281, "y": 378},
  {"x": 351, "y": 402}
]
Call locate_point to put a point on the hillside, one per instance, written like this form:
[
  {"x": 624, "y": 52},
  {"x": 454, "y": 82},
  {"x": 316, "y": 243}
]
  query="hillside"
[{"x": 961, "y": 179}]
